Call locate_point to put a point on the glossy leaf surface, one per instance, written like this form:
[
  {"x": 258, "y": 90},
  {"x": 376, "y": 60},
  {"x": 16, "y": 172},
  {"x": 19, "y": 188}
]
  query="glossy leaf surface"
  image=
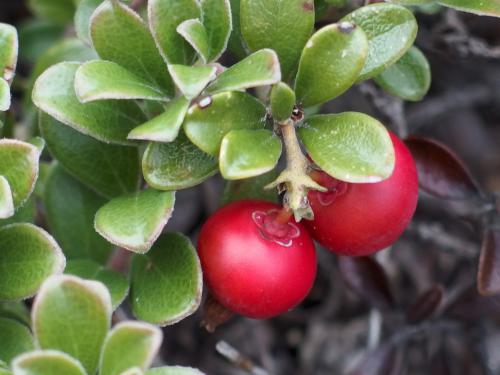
[
  {"x": 349, "y": 146},
  {"x": 135, "y": 221}
]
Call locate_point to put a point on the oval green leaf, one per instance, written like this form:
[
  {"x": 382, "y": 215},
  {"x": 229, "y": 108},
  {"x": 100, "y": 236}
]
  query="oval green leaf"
[
  {"x": 195, "y": 33},
  {"x": 120, "y": 35},
  {"x": 248, "y": 153},
  {"x": 167, "y": 282},
  {"x": 28, "y": 255},
  {"x": 259, "y": 69},
  {"x": 108, "y": 121},
  {"x": 409, "y": 78},
  {"x": 330, "y": 63},
  {"x": 16, "y": 339},
  {"x": 111, "y": 171},
  {"x": 116, "y": 283},
  {"x": 208, "y": 121},
  {"x": 135, "y": 221},
  {"x": 70, "y": 208},
  {"x": 391, "y": 30},
  {"x": 192, "y": 80},
  {"x": 251, "y": 188},
  {"x": 100, "y": 80},
  {"x": 282, "y": 101},
  {"x": 72, "y": 315},
  {"x": 84, "y": 11},
  {"x": 282, "y": 26},
  {"x": 165, "y": 127},
  {"x": 216, "y": 18},
  {"x": 176, "y": 165},
  {"x": 481, "y": 7},
  {"x": 47, "y": 362},
  {"x": 130, "y": 345},
  {"x": 164, "y": 17},
  {"x": 349, "y": 146},
  {"x": 19, "y": 166},
  {"x": 58, "y": 11}
]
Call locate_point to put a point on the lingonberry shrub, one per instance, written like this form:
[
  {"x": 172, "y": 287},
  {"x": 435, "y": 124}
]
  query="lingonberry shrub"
[{"x": 135, "y": 100}]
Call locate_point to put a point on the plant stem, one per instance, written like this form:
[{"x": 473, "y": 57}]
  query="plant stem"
[{"x": 295, "y": 176}]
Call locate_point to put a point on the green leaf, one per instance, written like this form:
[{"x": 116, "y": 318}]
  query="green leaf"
[
  {"x": 15, "y": 310},
  {"x": 411, "y": 2},
  {"x": 72, "y": 315},
  {"x": 195, "y": 33},
  {"x": 164, "y": 17},
  {"x": 16, "y": 339},
  {"x": 70, "y": 208},
  {"x": 116, "y": 283},
  {"x": 4, "y": 95},
  {"x": 192, "y": 80},
  {"x": 36, "y": 36},
  {"x": 409, "y": 78},
  {"x": 6, "y": 199},
  {"x": 111, "y": 171},
  {"x": 259, "y": 69},
  {"x": 59, "y": 11},
  {"x": 8, "y": 51},
  {"x": 47, "y": 362},
  {"x": 28, "y": 255},
  {"x": 130, "y": 345},
  {"x": 99, "y": 80},
  {"x": 135, "y": 221},
  {"x": 120, "y": 35},
  {"x": 107, "y": 121},
  {"x": 251, "y": 188},
  {"x": 174, "y": 370},
  {"x": 165, "y": 127},
  {"x": 236, "y": 43},
  {"x": 481, "y": 7},
  {"x": 19, "y": 165},
  {"x": 83, "y": 13},
  {"x": 176, "y": 165},
  {"x": 349, "y": 146},
  {"x": 167, "y": 282},
  {"x": 282, "y": 100},
  {"x": 208, "y": 121},
  {"x": 282, "y": 26},
  {"x": 216, "y": 17},
  {"x": 330, "y": 63},
  {"x": 391, "y": 30},
  {"x": 248, "y": 153}
]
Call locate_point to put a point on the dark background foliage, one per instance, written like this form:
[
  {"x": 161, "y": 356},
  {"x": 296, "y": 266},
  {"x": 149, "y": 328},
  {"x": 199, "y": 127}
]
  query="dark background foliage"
[{"x": 413, "y": 309}]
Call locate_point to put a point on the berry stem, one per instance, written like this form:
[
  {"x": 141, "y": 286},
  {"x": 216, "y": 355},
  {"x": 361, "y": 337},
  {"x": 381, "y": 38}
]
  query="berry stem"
[
  {"x": 295, "y": 177},
  {"x": 214, "y": 314},
  {"x": 284, "y": 215}
]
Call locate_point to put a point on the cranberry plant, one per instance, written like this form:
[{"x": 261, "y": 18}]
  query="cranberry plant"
[{"x": 142, "y": 103}]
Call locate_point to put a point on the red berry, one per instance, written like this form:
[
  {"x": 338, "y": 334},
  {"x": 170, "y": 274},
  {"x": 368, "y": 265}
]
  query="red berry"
[
  {"x": 256, "y": 263},
  {"x": 360, "y": 219}
]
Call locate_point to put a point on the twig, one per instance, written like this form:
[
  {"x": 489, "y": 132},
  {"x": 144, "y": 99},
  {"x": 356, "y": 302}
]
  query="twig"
[{"x": 239, "y": 360}]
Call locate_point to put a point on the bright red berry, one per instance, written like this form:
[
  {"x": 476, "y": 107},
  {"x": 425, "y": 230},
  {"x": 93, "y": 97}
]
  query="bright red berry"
[
  {"x": 360, "y": 219},
  {"x": 256, "y": 263}
]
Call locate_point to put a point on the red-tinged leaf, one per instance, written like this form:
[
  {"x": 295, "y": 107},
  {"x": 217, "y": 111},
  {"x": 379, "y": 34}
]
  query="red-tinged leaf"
[
  {"x": 367, "y": 278},
  {"x": 440, "y": 171},
  {"x": 426, "y": 305},
  {"x": 488, "y": 276},
  {"x": 387, "y": 359},
  {"x": 470, "y": 305}
]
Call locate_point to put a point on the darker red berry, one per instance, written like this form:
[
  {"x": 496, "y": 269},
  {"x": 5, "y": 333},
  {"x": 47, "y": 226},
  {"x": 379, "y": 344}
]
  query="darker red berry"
[
  {"x": 256, "y": 262},
  {"x": 360, "y": 219}
]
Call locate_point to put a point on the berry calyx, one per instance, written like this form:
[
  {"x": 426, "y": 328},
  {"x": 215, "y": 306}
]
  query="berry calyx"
[{"x": 256, "y": 261}]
